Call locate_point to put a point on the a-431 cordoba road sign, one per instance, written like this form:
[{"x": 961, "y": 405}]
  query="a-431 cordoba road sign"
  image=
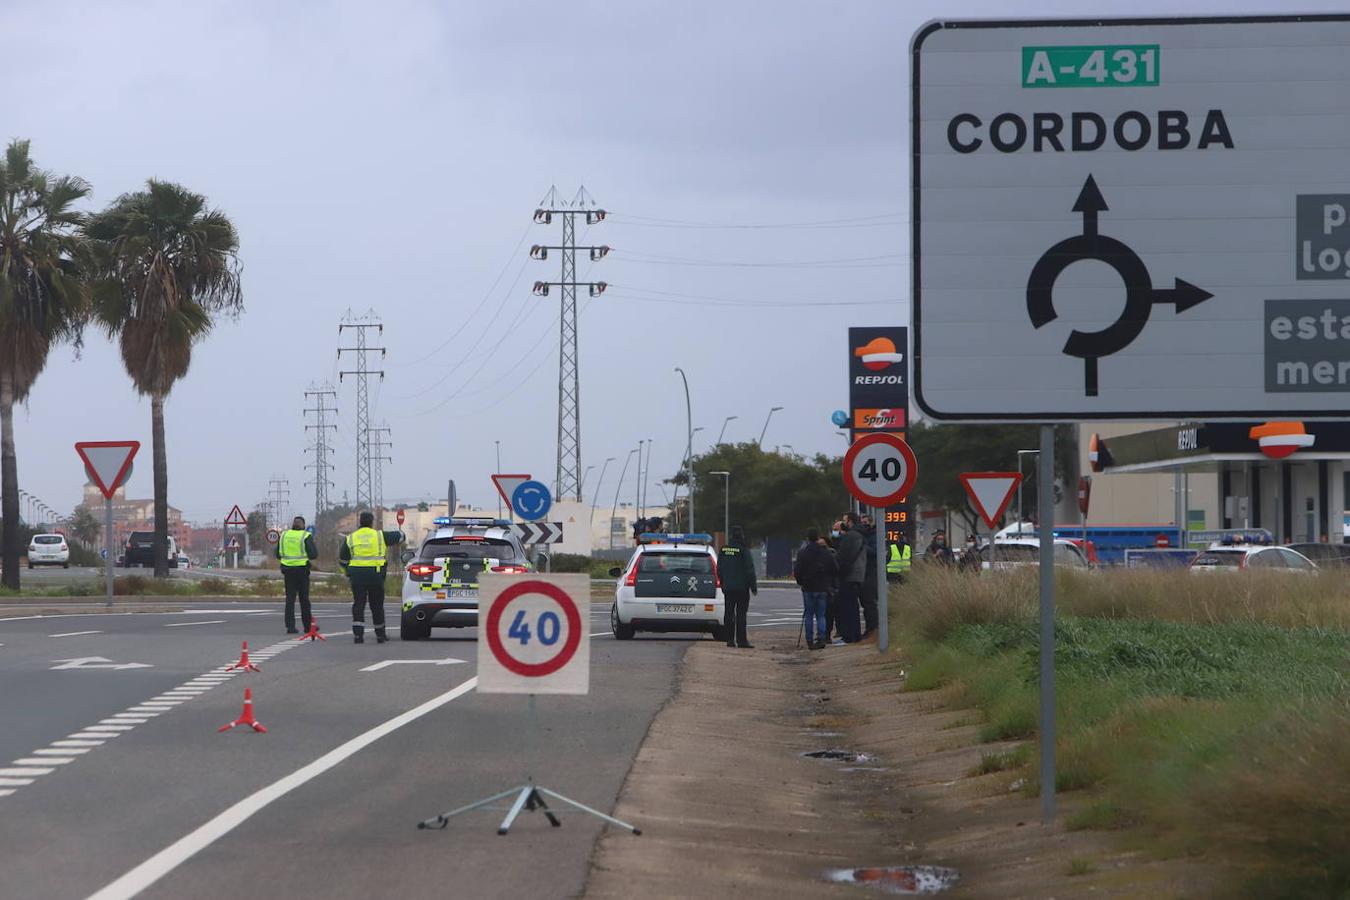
[{"x": 1132, "y": 219}]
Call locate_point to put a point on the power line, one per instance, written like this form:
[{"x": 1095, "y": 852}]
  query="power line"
[
  {"x": 364, "y": 477},
  {"x": 321, "y": 464}
]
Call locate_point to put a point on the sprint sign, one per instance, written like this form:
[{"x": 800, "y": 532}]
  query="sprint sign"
[{"x": 534, "y": 634}]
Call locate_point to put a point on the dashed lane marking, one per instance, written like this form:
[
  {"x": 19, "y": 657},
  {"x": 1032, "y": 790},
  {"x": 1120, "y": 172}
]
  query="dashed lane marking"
[
  {"x": 74, "y": 633},
  {"x": 186, "y": 624},
  {"x": 43, "y": 761}
]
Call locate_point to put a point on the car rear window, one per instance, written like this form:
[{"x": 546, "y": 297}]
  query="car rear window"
[
  {"x": 145, "y": 538},
  {"x": 469, "y": 548},
  {"x": 48, "y": 539},
  {"x": 1008, "y": 553},
  {"x": 674, "y": 563},
  {"x": 1229, "y": 558}
]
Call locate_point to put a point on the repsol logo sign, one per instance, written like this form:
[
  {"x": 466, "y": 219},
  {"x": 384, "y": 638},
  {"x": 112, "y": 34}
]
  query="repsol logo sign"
[{"x": 1048, "y": 132}]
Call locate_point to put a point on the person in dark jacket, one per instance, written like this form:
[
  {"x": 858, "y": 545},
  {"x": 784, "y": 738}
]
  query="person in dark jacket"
[
  {"x": 815, "y": 570},
  {"x": 869, "y": 590},
  {"x": 736, "y": 569},
  {"x": 851, "y": 552},
  {"x": 296, "y": 551}
]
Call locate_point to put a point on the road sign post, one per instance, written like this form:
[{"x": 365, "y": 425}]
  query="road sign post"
[
  {"x": 879, "y": 470},
  {"x": 108, "y": 464},
  {"x": 533, "y": 638}
]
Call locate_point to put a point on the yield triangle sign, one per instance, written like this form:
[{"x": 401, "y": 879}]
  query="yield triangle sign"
[
  {"x": 108, "y": 462},
  {"x": 507, "y": 484},
  {"x": 236, "y": 517},
  {"x": 991, "y": 492}
]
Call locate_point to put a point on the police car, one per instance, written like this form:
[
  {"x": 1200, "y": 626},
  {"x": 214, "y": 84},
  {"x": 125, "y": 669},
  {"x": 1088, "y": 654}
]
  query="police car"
[
  {"x": 440, "y": 582},
  {"x": 1236, "y": 556},
  {"x": 669, "y": 584}
]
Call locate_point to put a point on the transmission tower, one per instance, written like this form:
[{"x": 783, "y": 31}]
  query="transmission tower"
[
  {"x": 377, "y": 442},
  {"x": 321, "y": 464},
  {"x": 278, "y": 501},
  {"x": 365, "y": 494},
  {"x": 567, "y": 481}
]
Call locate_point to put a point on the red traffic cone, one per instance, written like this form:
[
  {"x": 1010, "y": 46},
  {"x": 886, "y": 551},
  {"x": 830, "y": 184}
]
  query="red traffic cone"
[
  {"x": 243, "y": 663},
  {"x": 246, "y": 718},
  {"x": 313, "y": 633}
]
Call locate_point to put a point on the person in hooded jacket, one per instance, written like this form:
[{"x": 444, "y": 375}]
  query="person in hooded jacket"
[
  {"x": 814, "y": 570},
  {"x": 851, "y": 551},
  {"x": 736, "y": 569}
]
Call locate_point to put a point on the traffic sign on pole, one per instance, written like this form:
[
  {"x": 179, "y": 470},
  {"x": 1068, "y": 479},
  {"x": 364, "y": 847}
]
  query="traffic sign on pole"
[
  {"x": 108, "y": 462},
  {"x": 273, "y": 535},
  {"x": 879, "y": 469},
  {"x": 990, "y": 493},
  {"x": 1197, "y": 167},
  {"x": 531, "y": 500},
  {"x": 539, "y": 532},
  {"x": 534, "y": 634},
  {"x": 400, "y": 517},
  {"x": 507, "y": 484},
  {"x": 236, "y": 517}
]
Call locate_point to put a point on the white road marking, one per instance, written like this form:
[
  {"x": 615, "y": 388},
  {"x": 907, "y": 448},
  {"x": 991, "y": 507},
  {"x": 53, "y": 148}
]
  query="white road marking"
[
  {"x": 186, "y": 624},
  {"x": 24, "y": 771},
  {"x": 92, "y": 735},
  {"x": 77, "y": 743},
  {"x": 179, "y": 852},
  {"x": 110, "y": 725},
  {"x": 64, "y": 751},
  {"x": 44, "y": 761},
  {"x": 6, "y": 792},
  {"x": 96, "y": 662},
  {"x": 448, "y": 661},
  {"x": 15, "y": 782},
  {"x": 73, "y": 633}
]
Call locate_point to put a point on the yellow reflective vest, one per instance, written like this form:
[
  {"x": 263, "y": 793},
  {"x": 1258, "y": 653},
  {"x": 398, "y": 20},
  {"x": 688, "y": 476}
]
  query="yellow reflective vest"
[
  {"x": 367, "y": 548},
  {"x": 899, "y": 562},
  {"x": 293, "y": 548}
]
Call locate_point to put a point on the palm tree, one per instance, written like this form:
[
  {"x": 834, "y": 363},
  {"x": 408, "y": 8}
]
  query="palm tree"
[
  {"x": 168, "y": 266},
  {"x": 43, "y": 300}
]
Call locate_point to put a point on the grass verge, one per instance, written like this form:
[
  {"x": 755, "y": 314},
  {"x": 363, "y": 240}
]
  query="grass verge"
[{"x": 1207, "y": 715}]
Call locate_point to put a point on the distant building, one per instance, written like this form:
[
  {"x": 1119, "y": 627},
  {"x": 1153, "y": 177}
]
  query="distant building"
[{"x": 128, "y": 515}]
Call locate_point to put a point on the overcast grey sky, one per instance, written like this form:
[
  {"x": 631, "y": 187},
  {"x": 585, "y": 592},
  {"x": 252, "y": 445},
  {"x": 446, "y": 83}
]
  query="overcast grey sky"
[{"x": 390, "y": 155}]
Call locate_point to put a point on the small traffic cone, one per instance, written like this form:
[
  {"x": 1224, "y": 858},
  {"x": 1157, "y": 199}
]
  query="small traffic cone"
[
  {"x": 243, "y": 663},
  {"x": 246, "y": 718},
  {"x": 313, "y": 633}
]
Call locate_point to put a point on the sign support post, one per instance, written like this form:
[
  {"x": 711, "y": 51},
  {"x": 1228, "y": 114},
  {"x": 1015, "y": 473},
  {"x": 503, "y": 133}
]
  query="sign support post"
[
  {"x": 1045, "y": 486},
  {"x": 111, "y": 560},
  {"x": 883, "y": 587}
]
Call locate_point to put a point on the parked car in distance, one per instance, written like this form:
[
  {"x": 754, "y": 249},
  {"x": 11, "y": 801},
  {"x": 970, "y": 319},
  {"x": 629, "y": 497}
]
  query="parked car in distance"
[
  {"x": 1015, "y": 553},
  {"x": 140, "y": 550},
  {"x": 48, "y": 550},
  {"x": 1241, "y": 557}
]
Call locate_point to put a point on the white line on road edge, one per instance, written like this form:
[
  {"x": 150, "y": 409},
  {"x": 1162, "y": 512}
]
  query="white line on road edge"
[
  {"x": 186, "y": 624},
  {"x": 180, "y": 851},
  {"x": 74, "y": 633}
]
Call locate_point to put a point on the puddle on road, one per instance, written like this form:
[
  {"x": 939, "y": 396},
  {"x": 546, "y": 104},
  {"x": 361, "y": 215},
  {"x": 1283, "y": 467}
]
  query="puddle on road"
[
  {"x": 897, "y": 879},
  {"x": 853, "y": 756}
]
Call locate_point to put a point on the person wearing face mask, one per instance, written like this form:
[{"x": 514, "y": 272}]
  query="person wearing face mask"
[
  {"x": 970, "y": 555},
  {"x": 830, "y": 541},
  {"x": 852, "y": 554},
  {"x": 938, "y": 551}
]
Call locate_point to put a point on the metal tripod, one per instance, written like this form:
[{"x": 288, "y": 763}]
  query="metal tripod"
[{"x": 529, "y": 798}]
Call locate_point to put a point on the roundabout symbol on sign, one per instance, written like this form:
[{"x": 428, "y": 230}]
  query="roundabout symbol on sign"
[
  {"x": 544, "y": 628},
  {"x": 1140, "y": 295},
  {"x": 531, "y": 500}
]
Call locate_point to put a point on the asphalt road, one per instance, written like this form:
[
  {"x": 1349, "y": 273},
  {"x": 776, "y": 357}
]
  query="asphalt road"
[{"x": 115, "y": 783}]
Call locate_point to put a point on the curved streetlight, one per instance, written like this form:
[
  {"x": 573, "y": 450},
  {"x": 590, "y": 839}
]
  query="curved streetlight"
[
  {"x": 726, "y": 504},
  {"x": 618, "y": 487},
  {"x": 724, "y": 428},
  {"x": 595, "y": 498},
  {"x": 765, "y": 429},
  {"x": 689, "y": 446}
]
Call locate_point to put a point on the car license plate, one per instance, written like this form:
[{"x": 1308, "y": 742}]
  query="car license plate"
[
  {"x": 674, "y": 607},
  {"x": 464, "y": 594}
]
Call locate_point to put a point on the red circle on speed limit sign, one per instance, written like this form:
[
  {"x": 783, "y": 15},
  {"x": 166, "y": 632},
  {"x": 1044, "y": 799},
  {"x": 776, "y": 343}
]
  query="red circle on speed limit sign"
[
  {"x": 880, "y": 469},
  {"x": 569, "y": 644}
]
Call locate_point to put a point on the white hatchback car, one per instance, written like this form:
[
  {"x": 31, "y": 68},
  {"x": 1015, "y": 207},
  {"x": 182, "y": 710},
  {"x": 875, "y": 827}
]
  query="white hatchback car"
[
  {"x": 669, "y": 584},
  {"x": 1257, "y": 557},
  {"x": 48, "y": 550}
]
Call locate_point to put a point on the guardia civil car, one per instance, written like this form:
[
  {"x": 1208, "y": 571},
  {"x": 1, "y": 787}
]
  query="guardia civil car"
[
  {"x": 669, "y": 584},
  {"x": 440, "y": 582}
]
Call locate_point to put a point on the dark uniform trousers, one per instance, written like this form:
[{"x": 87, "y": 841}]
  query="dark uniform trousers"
[
  {"x": 297, "y": 585},
  {"x": 368, "y": 591},
  {"x": 846, "y": 614},
  {"x": 737, "y": 607}
]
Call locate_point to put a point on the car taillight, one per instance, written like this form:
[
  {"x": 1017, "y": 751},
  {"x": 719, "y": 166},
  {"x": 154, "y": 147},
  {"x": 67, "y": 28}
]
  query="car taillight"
[
  {"x": 717, "y": 579},
  {"x": 631, "y": 580},
  {"x": 510, "y": 570},
  {"x": 423, "y": 571}
]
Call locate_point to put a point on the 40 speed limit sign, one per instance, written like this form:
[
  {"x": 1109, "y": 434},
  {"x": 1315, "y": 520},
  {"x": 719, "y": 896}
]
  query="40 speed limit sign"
[
  {"x": 534, "y": 634},
  {"x": 879, "y": 469}
]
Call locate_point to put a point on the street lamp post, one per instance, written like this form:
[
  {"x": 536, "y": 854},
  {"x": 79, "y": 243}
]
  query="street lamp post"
[
  {"x": 765, "y": 429},
  {"x": 618, "y": 487},
  {"x": 724, "y": 428},
  {"x": 595, "y": 498},
  {"x": 1020, "y": 518},
  {"x": 647, "y": 479},
  {"x": 791, "y": 449},
  {"x": 637, "y": 485},
  {"x": 689, "y": 446},
  {"x": 726, "y": 504}
]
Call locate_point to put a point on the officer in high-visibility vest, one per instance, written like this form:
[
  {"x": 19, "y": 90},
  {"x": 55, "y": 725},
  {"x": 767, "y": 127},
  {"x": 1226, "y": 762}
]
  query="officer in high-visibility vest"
[
  {"x": 898, "y": 564},
  {"x": 295, "y": 550},
  {"x": 363, "y": 559}
]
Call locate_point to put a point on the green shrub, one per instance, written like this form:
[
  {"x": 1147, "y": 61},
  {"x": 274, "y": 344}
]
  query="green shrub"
[{"x": 569, "y": 562}]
